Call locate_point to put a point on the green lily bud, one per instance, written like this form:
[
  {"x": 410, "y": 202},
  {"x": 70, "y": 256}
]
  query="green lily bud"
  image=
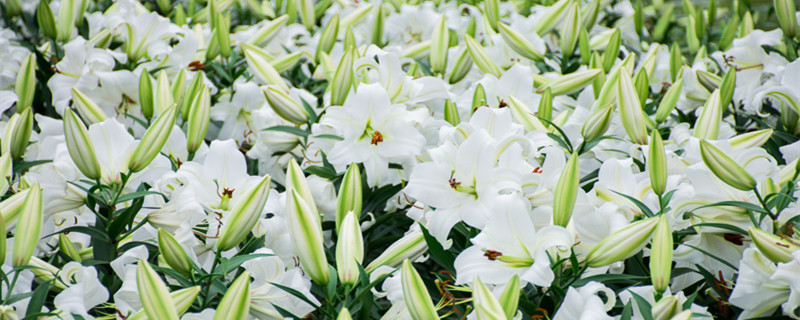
[
  {"x": 146, "y": 94},
  {"x": 750, "y": 140},
  {"x": 154, "y": 294},
  {"x": 451, "y": 113},
  {"x": 267, "y": 32},
  {"x": 699, "y": 24},
  {"x": 491, "y": 9},
  {"x": 709, "y": 80},
  {"x": 191, "y": 94},
  {"x": 664, "y": 19},
  {"x": 630, "y": 109},
  {"x": 728, "y": 33},
  {"x": 439, "y": 46},
  {"x": 306, "y": 232},
  {"x": 286, "y": 62},
  {"x": 583, "y": 47},
  {"x": 725, "y": 168},
  {"x": 712, "y": 12},
  {"x": 675, "y": 61},
  {"x": 321, "y": 6},
  {"x": 88, "y": 110},
  {"x": 29, "y": 227},
  {"x": 612, "y": 50},
  {"x": 417, "y": 51},
  {"x": 666, "y": 308},
  {"x": 13, "y": 7},
  {"x": 164, "y": 5},
  {"x": 471, "y": 26},
  {"x": 262, "y": 69},
  {"x": 356, "y": 16},
  {"x": 748, "y": 25},
  {"x": 566, "y": 191},
  {"x": 691, "y": 34},
  {"x": 486, "y": 305},
  {"x": 520, "y": 112},
  {"x": 80, "y": 146},
  {"x": 18, "y": 133},
  {"x": 481, "y": 58},
  {"x": 552, "y": 17},
  {"x": 26, "y": 82},
  {"x": 349, "y": 39},
  {"x": 307, "y": 14},
  {"x": 235, "y": 304},
  {"x": 285, "y": 106},
  {"x": 410, "y": 246},
  {"x": 173, "y": 253},
  {"x": 638, "y": 17},
  {"x": 182, "y": 299},
  {"x": 45, "y": 272},
  {"x": 669, "y": 100},
  {"x": 199, "y": 117},
  {"x": 163, "y": 94},
  {"x": 222, "y": 35},
  {"x": 11, "y": 207},
  {"x": 178, "y": 88},
  {"x": 661, "y": 255},
  {"x": 657, "y": 163},
  {"x": 773, "y": 247},
  {"x": 589, "y": 13},
  {"x": 350, "y": 197},
  {"x": 377, "y": 26},
  {"x": 244, "y": 215},
  {"x": 478, "y": 98},
  {"x": 509, "y": 299},
  {"x": 598, "y": 123},
  {"x": 785, "y": 10},
  {"x": 641, "y": 84},
  {"x": 344, "y": 314},
  {"x": 726, "y": 88},
  {"x": 349, "y": 249},
  {"x": 517, "y": 42},
  {"x": 6, "y": 171},
  {"x": 598, "y": 83},
  {"x": 295, "y": 179},
  {"x": 707, "y": 125},
  {"x": 3, "y": 239},
  {"x": 545, "y": 110},
  {"x": 66, "y": 246},
  {"x": 328, "y": 37},
  {"x": 179, "y": 18},
  {"x": 683, "y": 315},
  {"x": 153, "y": 140},
  {"x": 343, "y": 78},
  {"x": 416, "y": 295},
  {"x": 622, "y": 244},
  {"x": 570, "y": 83},
  {"x": 66, "y": 20},
  {"x": 570, "y": 29},
  {"x": 46, "y": 20}
]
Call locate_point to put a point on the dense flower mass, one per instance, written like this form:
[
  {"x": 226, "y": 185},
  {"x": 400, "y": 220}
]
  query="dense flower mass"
[{"x": 399, "y": 159}]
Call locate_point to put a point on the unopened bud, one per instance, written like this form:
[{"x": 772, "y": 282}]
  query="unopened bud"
[
  {"x": 26, "y": 82},
  {"x": 80, "y": 146},
  {"x": 416, "y": 295},
  {"x": 630, "y": 109},
  {"x": 89, "y": 111},
  {"x": 350, "y": 197},
  {"x": 622, "y": 244},
  {"x": 661, "y": 255},
  {"x": 349, "y": 249},
  {"x": 153, "y": 293},
  {"x": 486, "y": 305},
  {"x": 517, "y": 42},
  {"x": 481, "y": 58},
  {"x": 773, "y": 247},
  {"x": 235, "y": 304},
  {"x": 657, "y": 163},
  {"x": 153, "y": 140},
  {"x": 725, "y": 168},
  {"x": 244, "y": 215},
  {"x": 285, "y": 106},
  {"x": 566, "y": 191},
  {"x": 707, "y": 124}
]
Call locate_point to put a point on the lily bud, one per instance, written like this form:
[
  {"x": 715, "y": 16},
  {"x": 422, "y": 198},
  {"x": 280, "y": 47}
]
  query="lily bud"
[
  {"x": 461, "y": 67},
  {"x": 153, "y": 293},
  {"x": 750, "y": 140},
  {"x": 417, "y": 51},
  {"x": 26, "y": 82},
  {"x": 350, "y": 197},
  {"x": 244, "y": 215},
  {"x": 349, "y": 39},
  {"x": 481, "y": 58},
  {"x": 669, "y": 100},
  {"x": 478, "y": 98},
  {"x": 307, "y": 14},
  {"x": 3, "y": 239},
  {"x": 344, "y": 314},
  {"x": 599, "y": 82},
  {"x": 377, "y": 26},
  {"x": 664, "y": 19},
  {"x": 683, "y": 315},
  {"x": 182, "y": 299},
  {"x": 630, "y": 109},
  {"x": 191, "y": 93},
  {"x": 728, "y": 33},
  {"x": 13, "y": 7},
  {"x": 18, "y": 133},
  {"x": 343, "y": 78},
  {"x": 661, "y": 255},
  {"x": 163, "y": 94},
  {"x": 80, "y": 146},
  {"x": 355, "y": 16},
  {"x": 66, "y": 246},
  {"x": 306, "y": 232},
  {"x": 451, "y": 113},
  {"x": 552, "y": 17},
  {"x": 46, "y": 20},
  {"x": 268, "y": 31},
  {"x": 612, "y": 50},
  {"x": 570, "y": 29},
  {"x": 590, "y": 14},
  {"x": 179, "y": 90},
  {"x": 638, "y": 18},
  {"x": 726, "y": 87},
  {"x": 657, "y": 163},
  {"x": 153, "y": 140},
  {"x": 773, "y": 247},
  {"x": 517, "y": 42},
  {"x": 707, "y": 124},
  {"x": 709, "y": 80},
  {"x": 509, "y": 299},
  {"x": 221, "y": 37},
  {"x": 666, "y": 308},
  {"x": 566, "y": 191},
  {"x": 675, "y": 61},
  {"x": 173, "y": 253},
  {"x": 416, "y": 295},
  {"x": 439, "y": 46},
  {"x": 328, "y": 37},
  {"x": 785, "y": 10},
  {"x": 285, "y": 106},
  {"x": 642, "y": 86},
  {"x": 410, "y": 246},
  {"x": 520, "y": 112},
  {"x": 545, "y": 110},
  {"x": 260, "y": 66},
  {"x": 491, "y": 8},
  {"x": 725, "y": 168},
  {"x": 622, "y": 244},
  {"x": 197, "y": 122},
  {"x": 598, "y": 123},
  {"x": 571, "y": 83},
  {"x": 583, "y": 47},
  {"x": 6, "y": 171},
  {"x": 11, "y": 207},
  {"x": 486, "y": 305},
  {"x": 66, "y": 20},
  {"x": 235, "y": 304},
  {"x": 88, "y": 110},
  {"x": 349, "y": 249},
  {"x": 146, "y": 94}
]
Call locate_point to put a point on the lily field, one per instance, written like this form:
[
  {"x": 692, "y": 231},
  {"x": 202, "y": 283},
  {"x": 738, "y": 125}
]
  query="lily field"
[{"x": 399, "y": 159}]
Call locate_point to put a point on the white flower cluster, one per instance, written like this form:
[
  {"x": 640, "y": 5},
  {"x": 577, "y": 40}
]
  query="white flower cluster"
[{"x": 399, "y": 159}]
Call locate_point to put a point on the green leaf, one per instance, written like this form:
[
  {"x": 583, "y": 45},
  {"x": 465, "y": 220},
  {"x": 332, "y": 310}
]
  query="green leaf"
[
  {"x": 289, "y": 129},
  {"x": 329, "y": 136},
  {"x": 295, "y": 293},
  {"x": 627, "y": 312},
  {"x": 322, "y": 172},
  {"x": 234, "y": 263},
  {"x": 740, "y": 204},
  {"x": 645, "y": 309},
  {"x": 92, "y": 232},
  {"x": 443, "y": 257},
  {"x": 711, "y": 255},
  {"x": 135, "y": 195},
  {"x": 722, "y": 226},
  {"x": 38, "y": 298},
  {"x": 638, "y": 203},
  {"x": 21, "y": 167},
  {"x": 610, "y": 277}
]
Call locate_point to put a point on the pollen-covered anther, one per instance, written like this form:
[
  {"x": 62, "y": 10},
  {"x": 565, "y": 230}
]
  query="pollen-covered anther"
[
  {"x": 377, "y": 137},
  {"x": 492, "y": 255}
]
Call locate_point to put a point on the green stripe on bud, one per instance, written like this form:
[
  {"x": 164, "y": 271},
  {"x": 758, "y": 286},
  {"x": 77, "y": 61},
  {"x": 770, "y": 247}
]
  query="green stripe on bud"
[
  {"x": 146, "y": 94},
  {"x": 520, "y": 112},
  {"x": 641, "y": 83},
  {"x": 675, "y": 61},
  {"x": 622, "y": 244},
  {"x": 461, "y": 66},
  {"x": 481, "y": 58},
  {"x": 197, "y": 122},
  {"x": 377, "y": 26},
  {"x": 296, "y": 179},
  {"x": 267, "y": 32},
  {"x": 669, "y": 100},
  {"x": 491, "y": 8},
  {"x": 566, "y": 191},
  {"x": 439, "y": 46},
  {"x": 550, "y": 19},
  {"x": 163, "y": 93},
  {"x": 6, "y": 171},
  {"x": 258, "y": 60},
  {"x": 775, "y": 248},
  {"x": 350, "y": 197},
  {"x": 244, "y": 215},
  {"x": 89, "y": 111},
  {"x": 598, "y": 123},
  {"x": 785, "y": 10},
  {"x": 726, "y": 87},
  {"x": 307, "y": 13},
  {"x": 80, "y": 146},
  {"x": 235, "y": 304},
  {"x": 509, "y": 299},
  {"x": 583, "y": 47},
  {"x": 46, "y": 20},
  {"x": 355, "y": 16},
  {"x": 657, "y": 163},
  {"x": 661, "y": 255},
  {"x": 328, "y": 37},
  {"x": 191, "y": 94},
  {"x": 179, "y": 90},
  {"x": 630, "y": 109},
  {"x": 571, "y": 83},
  {"x": 18, "y": 132},
  {"x": 478, "y": 98},
  {"x": 153, "y": 293},
  {"x": 344, "y": 314},
  {"x": 750, "y": 140},
  {"x": 284, "y": 105},
  {"x": 709, "y": 80},
  {"x": 410, "y": 246},
  {"x": 589, "y": 13},
  {"x": 173, "y": 253},
  {"x": 306, "y": 232},
  {"x": 707, "y": 124},
  {"x": 725, "y": 168},
  {"x": 66, "y": 246},
  {"x": 222, "y": 35},
  {"x": 517, "y": 42},
  {"x": 486, "y": 305},
  {"x": 451, "y": 113},
  {"x": 343, "y": 78},
  {"x": 545, "y": 110},
  {"x": 666, "y": 308},
  {"x": 570, "y": 30},
  {"x": 25, "y": 85},
  {"x": 11, "y": 207},
  {"x": 349, "y": 249},
  {"x": 612, "y": 50},
  {"x": 66, "y": 20},
  {"x": 153, "y": 140},
  {"x": 416, "y": 295},
  {"x": 182, "y": 299}
]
